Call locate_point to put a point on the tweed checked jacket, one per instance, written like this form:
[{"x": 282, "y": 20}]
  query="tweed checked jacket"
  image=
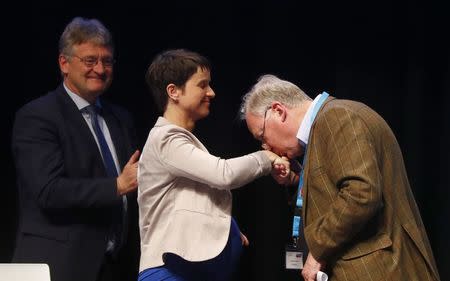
[{"x": 359, "y": 212}]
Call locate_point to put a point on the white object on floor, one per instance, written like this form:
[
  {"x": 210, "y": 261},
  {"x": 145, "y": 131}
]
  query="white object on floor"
[
  {"x": 24, "y": 272},
  {"x": 321, "y": 276}
]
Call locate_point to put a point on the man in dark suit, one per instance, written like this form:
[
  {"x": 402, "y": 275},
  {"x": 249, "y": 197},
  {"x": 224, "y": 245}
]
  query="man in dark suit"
[
  {"x": 76, "y": 168},
  {"x": 360, "y": 219}
]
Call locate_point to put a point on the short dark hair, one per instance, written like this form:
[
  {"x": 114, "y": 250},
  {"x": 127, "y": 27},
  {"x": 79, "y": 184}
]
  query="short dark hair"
[{"x": 172, "y": 66}]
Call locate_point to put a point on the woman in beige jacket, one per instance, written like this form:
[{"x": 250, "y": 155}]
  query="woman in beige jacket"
[{"x": 187, "y": 232}]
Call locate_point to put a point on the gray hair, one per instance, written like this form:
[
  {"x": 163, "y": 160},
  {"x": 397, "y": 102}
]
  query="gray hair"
[
  {"x": 270, "y": 88},
  {"x": 81, "y": 30}
]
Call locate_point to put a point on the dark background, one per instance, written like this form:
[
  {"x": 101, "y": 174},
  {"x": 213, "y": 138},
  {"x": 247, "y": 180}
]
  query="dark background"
[{"x": 391, "y": 55}]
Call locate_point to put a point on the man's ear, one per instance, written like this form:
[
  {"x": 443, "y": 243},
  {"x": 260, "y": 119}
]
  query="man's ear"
[
  {"x": 172, "y": 92},
  {"x": 279, "y": 109},
  {"x": 63, "y": 64}
]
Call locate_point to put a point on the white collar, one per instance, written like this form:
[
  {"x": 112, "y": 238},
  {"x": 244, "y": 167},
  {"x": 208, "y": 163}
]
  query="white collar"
[
  {"x": 79, "y": 101},
  {"x": 305, "y": 126}
]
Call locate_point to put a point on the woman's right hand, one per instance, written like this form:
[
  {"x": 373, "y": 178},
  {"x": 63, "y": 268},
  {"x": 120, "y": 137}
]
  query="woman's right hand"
[
  {"x": 281, "y": 171},
  {"x": 280, "y": 167}
]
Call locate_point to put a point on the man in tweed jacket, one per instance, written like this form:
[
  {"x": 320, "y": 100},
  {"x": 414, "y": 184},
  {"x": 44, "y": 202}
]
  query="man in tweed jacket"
[{"x": 361, "y": 221}]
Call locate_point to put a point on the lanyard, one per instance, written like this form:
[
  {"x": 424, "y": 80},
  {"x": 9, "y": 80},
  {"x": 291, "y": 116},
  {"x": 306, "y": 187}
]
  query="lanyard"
[{"x": 297, "y": 221}]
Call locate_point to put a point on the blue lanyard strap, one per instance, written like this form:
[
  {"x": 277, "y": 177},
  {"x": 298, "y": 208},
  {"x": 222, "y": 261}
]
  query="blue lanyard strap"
[{"x": 297, "y": 221}]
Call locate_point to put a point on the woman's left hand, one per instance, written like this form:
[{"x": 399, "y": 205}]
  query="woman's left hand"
[{"x": 244, "y": 240}]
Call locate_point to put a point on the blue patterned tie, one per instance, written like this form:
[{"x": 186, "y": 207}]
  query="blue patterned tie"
[
  {"x": 115, "y": 236},
  {"x": 106, "y": 153}
]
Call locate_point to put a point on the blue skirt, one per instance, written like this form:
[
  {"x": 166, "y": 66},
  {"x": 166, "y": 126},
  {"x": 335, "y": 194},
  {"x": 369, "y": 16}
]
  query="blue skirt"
[{"x": 220, "y": 268}]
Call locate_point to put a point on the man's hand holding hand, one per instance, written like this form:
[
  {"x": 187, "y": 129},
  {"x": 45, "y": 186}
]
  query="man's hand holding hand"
[{"x": 127, "y": 180}]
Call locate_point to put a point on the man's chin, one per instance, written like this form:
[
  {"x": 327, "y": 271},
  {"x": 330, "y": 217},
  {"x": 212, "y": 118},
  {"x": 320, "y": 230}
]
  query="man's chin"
[
  {"x": 97, "y": 89},
  {"x": 293, "y": 155},
  {"x": 97, "y": 84}
]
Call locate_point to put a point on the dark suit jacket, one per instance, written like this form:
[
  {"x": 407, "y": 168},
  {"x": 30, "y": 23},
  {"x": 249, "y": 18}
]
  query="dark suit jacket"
[
  {"x": 65, "y": 196},
  {"x": 360, "y": 214}
]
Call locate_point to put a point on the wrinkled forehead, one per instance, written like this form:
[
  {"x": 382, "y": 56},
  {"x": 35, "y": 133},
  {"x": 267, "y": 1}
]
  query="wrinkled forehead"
[{"x": 92, "y": 47}]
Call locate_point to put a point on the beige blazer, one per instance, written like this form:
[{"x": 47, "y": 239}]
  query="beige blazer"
[
  {"x": 360, "y": 214},
  {"x": 184, "y": 195}
]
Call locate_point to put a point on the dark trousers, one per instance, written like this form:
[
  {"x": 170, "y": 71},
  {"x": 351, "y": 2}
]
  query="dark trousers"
[{"x": 110, "y": 270}]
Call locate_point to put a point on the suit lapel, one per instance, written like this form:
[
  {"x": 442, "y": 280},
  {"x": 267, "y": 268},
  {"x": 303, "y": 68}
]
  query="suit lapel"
[
  {"x": 305, "y": 186},
  {"x": 73, "y": 116},
  {"x": 118, "y": 136},
  {"x": 115, "y": 130}
]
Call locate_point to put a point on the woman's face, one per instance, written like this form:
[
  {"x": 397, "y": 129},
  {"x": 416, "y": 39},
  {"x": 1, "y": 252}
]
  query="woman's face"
[{"x": 196, "y": 95}]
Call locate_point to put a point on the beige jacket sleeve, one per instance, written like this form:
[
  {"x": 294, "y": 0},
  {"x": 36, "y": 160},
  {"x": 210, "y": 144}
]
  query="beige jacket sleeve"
[{"x": 185, "y": 156}]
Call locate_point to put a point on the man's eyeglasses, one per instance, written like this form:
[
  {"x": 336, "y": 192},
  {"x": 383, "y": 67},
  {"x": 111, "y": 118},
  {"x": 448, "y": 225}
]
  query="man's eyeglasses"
[
  {"x": 262, "y": 138},
  {"x": 91, "y": 61}
]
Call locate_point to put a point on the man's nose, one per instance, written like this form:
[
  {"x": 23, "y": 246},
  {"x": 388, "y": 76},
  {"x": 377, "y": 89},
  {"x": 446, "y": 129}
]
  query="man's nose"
[{"x": 99, "y": 67}]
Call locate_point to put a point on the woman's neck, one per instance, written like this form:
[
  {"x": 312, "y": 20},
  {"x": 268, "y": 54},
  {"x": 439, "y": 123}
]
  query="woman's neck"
[{"x": 179, "y": 118}]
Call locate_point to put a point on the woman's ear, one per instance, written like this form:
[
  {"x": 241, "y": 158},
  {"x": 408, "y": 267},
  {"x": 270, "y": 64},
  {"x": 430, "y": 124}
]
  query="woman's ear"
[{"x": 172, "y": 92}]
